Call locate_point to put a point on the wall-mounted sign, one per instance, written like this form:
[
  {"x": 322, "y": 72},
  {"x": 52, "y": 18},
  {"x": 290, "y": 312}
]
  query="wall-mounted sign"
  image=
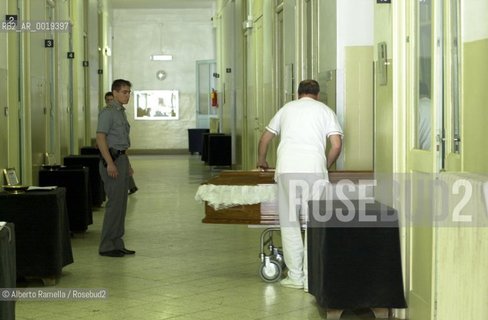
[
  {"x": 383, "y": 1},
  {"x": 49, "y": 43},
  {"x": 11, "y": 18}
]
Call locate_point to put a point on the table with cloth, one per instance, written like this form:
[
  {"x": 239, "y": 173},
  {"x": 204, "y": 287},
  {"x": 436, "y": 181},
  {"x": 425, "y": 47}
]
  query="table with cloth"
[
  {"x": 78, "y": 197},
  {"x": 354, "y": 262},
  {"x": 8, "y": 275},
  {"x": 43, "y": 244},
  {"x": 91, "y": 161}
]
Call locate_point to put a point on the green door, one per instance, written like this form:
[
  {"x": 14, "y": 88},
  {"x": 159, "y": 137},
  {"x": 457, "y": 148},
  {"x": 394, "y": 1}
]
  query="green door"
[{"x": 432, "y": 109}]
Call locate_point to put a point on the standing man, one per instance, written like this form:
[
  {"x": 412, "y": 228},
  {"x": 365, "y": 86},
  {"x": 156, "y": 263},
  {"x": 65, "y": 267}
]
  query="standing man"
[
  {"x": 109, "y": 97},
  {"x": 115, "y": 169},
  {"x": 304, "y": 126}
]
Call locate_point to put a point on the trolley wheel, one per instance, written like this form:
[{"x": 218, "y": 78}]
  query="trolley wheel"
[{"x": 270, "y": 271}]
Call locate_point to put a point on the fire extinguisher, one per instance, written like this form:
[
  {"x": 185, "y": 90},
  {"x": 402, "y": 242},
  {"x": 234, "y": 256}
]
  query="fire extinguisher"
[{"x": 213, "y": 98}]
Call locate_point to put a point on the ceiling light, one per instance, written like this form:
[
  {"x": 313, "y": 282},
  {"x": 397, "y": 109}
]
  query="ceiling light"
[{"x": 161, "y": 57}]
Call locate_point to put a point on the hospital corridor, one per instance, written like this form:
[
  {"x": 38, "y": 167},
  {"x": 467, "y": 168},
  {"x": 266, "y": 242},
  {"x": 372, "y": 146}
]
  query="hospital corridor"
[
  {"x": 183, "y": 269},
  {"x": 222, "y": 108}
]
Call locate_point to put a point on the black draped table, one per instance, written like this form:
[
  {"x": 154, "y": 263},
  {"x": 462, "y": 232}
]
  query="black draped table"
[
  {"x": 195, "y": 139},
  {"x": 43, "y": 244},
  {"x": 217, "y": 149},
  {"x": 8, "y": 275},
  {"x": 78, "y": 196},
  {"x": 87, "y": 150},
  {"x": 91, "y": 161},
  {"x": 354, "y": 258}
]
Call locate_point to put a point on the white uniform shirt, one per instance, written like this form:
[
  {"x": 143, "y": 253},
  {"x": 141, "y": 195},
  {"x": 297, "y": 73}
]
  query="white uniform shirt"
[{"x": 304, "y": 126}]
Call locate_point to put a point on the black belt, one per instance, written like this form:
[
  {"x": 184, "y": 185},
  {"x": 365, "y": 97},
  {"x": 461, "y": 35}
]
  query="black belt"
[{"x": 115, "y": 152}]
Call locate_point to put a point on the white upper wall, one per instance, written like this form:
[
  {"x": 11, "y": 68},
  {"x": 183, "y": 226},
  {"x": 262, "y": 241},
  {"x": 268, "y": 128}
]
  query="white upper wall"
[
  {"x": 355, "y": 22},
  {"x": 355, "y": 26},
  {"x": 187, "y": 34},
  {"x": 474, "y": 20}
]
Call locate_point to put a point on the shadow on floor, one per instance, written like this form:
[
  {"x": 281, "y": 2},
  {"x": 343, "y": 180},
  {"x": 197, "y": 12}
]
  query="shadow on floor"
[{"x": 359, "y": 314}]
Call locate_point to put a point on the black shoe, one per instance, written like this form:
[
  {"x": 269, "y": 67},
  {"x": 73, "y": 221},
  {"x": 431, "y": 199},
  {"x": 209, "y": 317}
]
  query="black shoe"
[
  {"x": 133, "y": 190},
  {"x": 112, "y": 253},
  {"x": 127, "y": 251}
]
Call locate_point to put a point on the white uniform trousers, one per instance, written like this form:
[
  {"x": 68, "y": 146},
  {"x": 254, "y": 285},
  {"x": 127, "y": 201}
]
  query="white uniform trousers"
[{"x": 294, "y": 191}]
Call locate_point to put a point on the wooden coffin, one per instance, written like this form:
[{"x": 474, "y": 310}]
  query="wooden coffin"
[
  {"x": 242, "y": 214},
  {"x": 252, "y": 214}
]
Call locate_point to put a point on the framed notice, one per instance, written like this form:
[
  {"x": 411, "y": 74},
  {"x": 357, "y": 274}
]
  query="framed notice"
[
  {"x": 11, "y": 176},
  {"x": 156, "y": 105}
]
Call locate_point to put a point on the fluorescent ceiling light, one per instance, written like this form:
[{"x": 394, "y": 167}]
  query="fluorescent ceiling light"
[{"x": 161, "y": 57}]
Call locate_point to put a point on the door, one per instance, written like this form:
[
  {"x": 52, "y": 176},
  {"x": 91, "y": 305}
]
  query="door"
[
  {"x": 3, "y": 97},
  {"x": 258, "y": 106},
  {"x": 205, "y": 70},
  {"x": 422, "y": 151},
  {"x": 37, "y": 90},
  {"x": 4, "y": 136},
  {"x": 452, "y": 69},
  {"x": 279, "y": 59},
  {"x": 254, "y": 98},
  {"x": 433, "y": 109}
]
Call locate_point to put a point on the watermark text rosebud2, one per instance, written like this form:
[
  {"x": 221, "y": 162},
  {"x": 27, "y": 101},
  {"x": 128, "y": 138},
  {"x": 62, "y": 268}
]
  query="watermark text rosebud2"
[{"x": 419, "y": 200}]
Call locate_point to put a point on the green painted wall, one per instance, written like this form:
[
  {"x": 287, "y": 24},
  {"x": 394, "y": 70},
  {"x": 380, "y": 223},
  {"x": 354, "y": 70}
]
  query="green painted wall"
[
  {"x": 383, "y": 138},
  {"x": 358, "y": 123},
  {"x": 474, "y": 106}
]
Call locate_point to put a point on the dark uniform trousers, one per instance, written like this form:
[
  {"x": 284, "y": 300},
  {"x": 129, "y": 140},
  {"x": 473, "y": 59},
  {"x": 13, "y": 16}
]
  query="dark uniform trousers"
[{"x": 116, "y": 207}]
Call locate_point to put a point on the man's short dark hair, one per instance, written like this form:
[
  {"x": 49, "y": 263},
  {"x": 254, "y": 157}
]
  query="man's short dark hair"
[
  {"x": 108, "y": 94},
  {"x": 119, "y": 83},
  {"x": 308, "y": 87}
]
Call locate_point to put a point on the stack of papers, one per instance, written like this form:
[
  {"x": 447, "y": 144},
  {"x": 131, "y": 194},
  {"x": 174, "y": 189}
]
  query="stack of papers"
[{"x": 31, "y": 188}]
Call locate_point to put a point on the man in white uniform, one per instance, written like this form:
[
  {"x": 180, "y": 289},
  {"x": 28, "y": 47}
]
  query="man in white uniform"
[{"x": 304, "y": 125}]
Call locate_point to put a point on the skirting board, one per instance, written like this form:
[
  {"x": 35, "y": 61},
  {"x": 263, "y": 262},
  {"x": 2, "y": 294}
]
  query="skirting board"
[{"x": 158, "y": 151}]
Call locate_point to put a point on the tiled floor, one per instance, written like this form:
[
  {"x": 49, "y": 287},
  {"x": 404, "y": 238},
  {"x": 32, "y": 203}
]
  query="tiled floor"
[{"x": 183, "y": 269}]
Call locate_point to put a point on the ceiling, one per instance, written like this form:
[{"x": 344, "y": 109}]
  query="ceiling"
[{"x": 163, "y": 4}]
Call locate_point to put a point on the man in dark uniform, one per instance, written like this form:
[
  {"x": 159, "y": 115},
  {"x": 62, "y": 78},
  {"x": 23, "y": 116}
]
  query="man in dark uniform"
[
  {"x": 109, "y": 97},
  {"x": 115, "y": 169}
]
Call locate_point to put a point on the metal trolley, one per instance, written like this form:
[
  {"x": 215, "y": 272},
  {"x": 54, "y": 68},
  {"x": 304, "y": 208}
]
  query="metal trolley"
[{"x": 272, "y": 262}]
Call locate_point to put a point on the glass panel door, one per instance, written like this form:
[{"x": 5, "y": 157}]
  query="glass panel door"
[
  {"x": 205, "y": 85},
  {"x": 423, "y": 100},
  {"x": 453, "y": 142}
]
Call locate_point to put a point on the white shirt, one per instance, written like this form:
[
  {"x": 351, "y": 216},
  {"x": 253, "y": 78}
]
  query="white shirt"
[{"x": 304, "y": 126}]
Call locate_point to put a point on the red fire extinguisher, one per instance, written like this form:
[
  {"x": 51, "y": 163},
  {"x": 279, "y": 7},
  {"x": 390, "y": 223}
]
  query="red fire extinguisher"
[{"x": 213, "y": 98}]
